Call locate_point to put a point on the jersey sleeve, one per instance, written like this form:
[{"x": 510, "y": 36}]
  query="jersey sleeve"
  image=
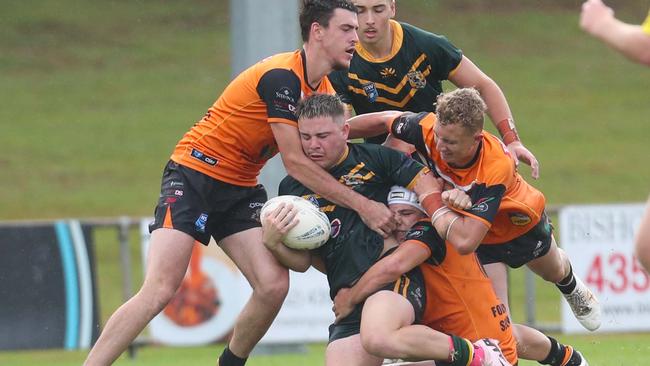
[
  {"x": 407, "y": 128},
  {"x": 280, "y": 91},
  {"x": 486, "y": 201},
  {"x": 425, "y": 234},
  {"x": 340, "y": 82},
  {"x": 443, "y": 56}
]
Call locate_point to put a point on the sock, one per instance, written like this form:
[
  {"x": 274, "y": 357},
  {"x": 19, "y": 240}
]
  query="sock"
[
  {"x": 228, "y": 358},
  {"x": 560, "y": 355},
  {"x": 568, "y": 283},
  {"x": 461, "y": 351}
]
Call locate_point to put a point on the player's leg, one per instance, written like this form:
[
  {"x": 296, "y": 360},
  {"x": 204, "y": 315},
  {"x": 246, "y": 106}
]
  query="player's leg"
[
  {"x": 167, "y": 260},
  {"x": 270, "y": 283},
  {"x": 531, "y": 343},
  {"x": 349, "y": 351},
  {"x": 642, "y": 247},
  {"x": 555, "y": 267},
  {"x": 387, "y": 330}
]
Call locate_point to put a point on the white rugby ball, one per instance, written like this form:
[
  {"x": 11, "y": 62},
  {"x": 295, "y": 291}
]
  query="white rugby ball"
[{"x": 313, "y": 228}]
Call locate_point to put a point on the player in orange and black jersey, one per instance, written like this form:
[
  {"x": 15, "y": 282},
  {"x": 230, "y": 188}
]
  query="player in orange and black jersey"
[
  {"x": 446, "y": 291},
  {"x": 507, "y": 217},
  {"x": 401, "y": 67},
  {"x": 209, "y": 187}
]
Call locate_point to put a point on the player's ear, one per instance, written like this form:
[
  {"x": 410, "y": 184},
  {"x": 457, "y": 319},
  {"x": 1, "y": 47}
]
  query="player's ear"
[
  {"x": 316, "y": 30},
  {"x": 392, "y": 7},
  {"x": 346, "y": 130}
]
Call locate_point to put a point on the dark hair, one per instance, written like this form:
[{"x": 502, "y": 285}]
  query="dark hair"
[
  {"x": 464, "y": 106},
  {"x": 320, "y": 11},
  {"x": 320, "y": 105}
]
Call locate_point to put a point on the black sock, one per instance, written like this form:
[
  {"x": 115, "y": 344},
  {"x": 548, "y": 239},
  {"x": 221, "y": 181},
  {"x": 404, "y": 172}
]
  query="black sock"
[
  {"x": 228, "y": 358},
  {"x": 555, "y": 355},
  {"x": 568, "y": 283}
]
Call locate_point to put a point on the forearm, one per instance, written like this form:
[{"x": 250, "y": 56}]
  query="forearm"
[
  {"x": 322, "y": 183},
  {"x": 463, "y": 232},
  {"x": 377, "y": 277},
  {"x": 371, "y": 124},
  {"x": 628, "y": 39},
  {"x": 296, "y": 260}
]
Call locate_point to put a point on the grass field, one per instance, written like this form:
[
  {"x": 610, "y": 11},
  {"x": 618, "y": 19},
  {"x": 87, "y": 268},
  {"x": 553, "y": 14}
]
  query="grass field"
[{"x": 96, "y": 94}]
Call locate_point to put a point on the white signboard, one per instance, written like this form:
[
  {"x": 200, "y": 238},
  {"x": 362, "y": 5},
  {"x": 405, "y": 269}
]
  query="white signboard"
[
  {"x": 599, "y": 240},
  {"x": 222, "y": 292}
]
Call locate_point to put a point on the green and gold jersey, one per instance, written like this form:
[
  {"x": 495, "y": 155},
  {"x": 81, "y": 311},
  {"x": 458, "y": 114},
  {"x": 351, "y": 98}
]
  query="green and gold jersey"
[
  {"x": 409, "y": 79},
  {"x": 370, "y": 170}
]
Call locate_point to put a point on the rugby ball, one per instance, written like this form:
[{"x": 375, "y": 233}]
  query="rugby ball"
[{"x": 313, "y": 228}]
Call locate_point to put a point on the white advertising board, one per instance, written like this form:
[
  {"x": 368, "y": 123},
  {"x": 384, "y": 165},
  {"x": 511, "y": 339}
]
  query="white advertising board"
[
  {"x": 599, "y": 240},
  {"x": 305, "y": 315}
]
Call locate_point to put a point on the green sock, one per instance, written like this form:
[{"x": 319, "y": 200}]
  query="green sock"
[{"x": 460, "y": 352}]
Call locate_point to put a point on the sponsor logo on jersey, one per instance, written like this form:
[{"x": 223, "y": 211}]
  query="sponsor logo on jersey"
[
  {"x": 416, "y": 79},
  {"x": 371, "y": 92},
  {"x": 481, "y": 205},
  {"x": 255, "y": 204},
  {"x": 336, "y": 228},
  {"x": 538, "y": 249},
  {"x": 176, "y": 184},
  {"x": 199, "y": 224},
  {"x": 519, "y": 219},
  {"x": 284, "y": 100},
  {"x": 196, "y": 154},
  {"x": 387, "y": 72}
]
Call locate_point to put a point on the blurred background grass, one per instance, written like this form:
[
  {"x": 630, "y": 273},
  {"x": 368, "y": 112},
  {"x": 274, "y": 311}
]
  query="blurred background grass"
[{"x": 96, "y": 94}]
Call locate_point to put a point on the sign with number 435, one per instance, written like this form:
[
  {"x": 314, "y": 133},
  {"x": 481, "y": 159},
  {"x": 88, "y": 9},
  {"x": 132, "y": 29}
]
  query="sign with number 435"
[{"x": 599, "y": 240}]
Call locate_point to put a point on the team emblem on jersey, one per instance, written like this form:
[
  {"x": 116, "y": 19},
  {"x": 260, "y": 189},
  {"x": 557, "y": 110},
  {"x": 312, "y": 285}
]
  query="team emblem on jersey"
[
  {"x": 416, "y": 79},
  {"x": 352, "y": 180},
  {"x": 387, "y": 72},
  {"x": 371, "y": 92},
  {"x": 336, "y": 228},
  {"x": 519, "y": 219}
]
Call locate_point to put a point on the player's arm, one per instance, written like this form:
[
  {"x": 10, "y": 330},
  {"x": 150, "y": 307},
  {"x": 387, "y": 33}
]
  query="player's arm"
[
  {"x": 406, "y": 257},
  {"x": 372, "y": 124},
  {"x": 374, "y": 214},
  {"x": 642, "y": 247},
  {"x": 633, "y": 41},
  {"x": 275, "y": 225},
  {"x": 467, "y": 74}
]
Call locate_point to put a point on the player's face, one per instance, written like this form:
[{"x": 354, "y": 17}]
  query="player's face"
[
  {"x": 374, "y": 16},
  {"x": 406, "y": 216},
  {"x": 340, "y": 38},
  {"x": 323, "y": 140},
  {"x": 456, "y": 145}
]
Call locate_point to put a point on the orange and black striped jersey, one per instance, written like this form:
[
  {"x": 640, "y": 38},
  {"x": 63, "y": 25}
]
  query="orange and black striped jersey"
[
  {"x": 460, "y": 299},
  {"x": 234, "y": 140},
  {"x": 501, "y": 198}
]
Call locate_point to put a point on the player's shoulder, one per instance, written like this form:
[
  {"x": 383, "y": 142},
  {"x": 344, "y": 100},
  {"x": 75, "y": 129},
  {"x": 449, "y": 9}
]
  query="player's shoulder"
[
  {"x": 419, "y": 33},
  {"x": 290, "y": 185},
  {"x": 497, "y": 161}
]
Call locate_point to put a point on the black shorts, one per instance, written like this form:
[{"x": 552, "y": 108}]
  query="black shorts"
[
  {"x": 348, "y": 326},
  {"x": 410, "y": 285},
  {"x": 202, "y": 206},
  {"x": 535, "y": 243}
]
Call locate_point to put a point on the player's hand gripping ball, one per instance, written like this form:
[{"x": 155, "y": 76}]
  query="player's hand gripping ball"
[{"x": 313, "y": 228}]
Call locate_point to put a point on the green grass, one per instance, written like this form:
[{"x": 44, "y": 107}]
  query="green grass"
[{"x": 96, "y": 94}]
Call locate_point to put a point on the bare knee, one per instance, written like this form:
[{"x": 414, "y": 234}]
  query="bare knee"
[
  {"x": 273, "y": 289},
  {"x": 156, "y": 297},
  {"x": 375, "y": 343}
]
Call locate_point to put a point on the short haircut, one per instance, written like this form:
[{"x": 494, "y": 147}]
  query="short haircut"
[
  {"x": 320, "y": 11},
  {"x": 464, "y": 106},
  {"x": 321, "y": 105}
]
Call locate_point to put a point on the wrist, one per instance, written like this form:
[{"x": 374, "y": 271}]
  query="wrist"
[
  {"x": 508, "y": 131},
  {"x": 431, "y": 202}
]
